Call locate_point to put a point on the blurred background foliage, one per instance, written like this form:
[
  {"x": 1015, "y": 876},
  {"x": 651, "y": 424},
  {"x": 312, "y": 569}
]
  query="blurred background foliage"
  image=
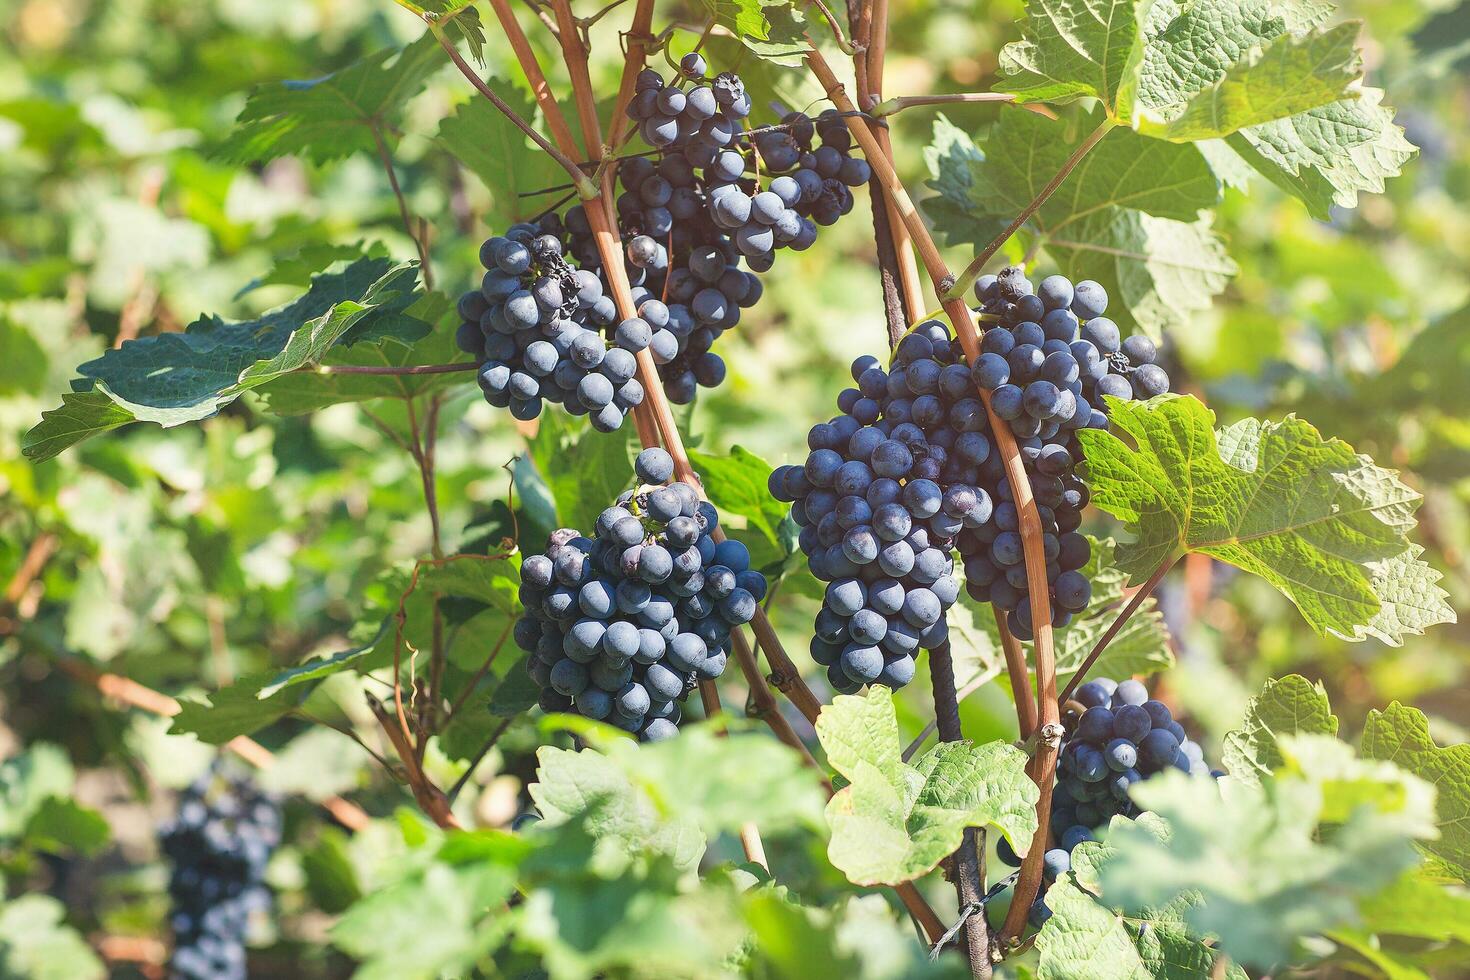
[{"x": 185, "y": 558}]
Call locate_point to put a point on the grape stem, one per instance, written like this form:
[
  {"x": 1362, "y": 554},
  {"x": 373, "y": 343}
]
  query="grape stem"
[
  {"x": 960, "y": 286},
  {"x": 901, "y": 102},
  {"x": 1043, "y": 766},
  {"x": 586, "y": 189},
  {"x": 842, "y": 41},
  {"x": 1134, "y": 603},
  {"x": 419, "y": 241}
]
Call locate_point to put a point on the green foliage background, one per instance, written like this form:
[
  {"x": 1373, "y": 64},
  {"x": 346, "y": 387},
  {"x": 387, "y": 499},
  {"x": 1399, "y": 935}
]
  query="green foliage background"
[{"x": 187, "y": 558}]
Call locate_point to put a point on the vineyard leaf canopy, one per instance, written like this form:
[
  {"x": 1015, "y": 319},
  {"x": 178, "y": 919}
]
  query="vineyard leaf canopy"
[
  {"x": 334, "y": 116},
  {"x": 1289, "y": 705},
  {"x": 1400, "y": 734},
  {"x": 1324, "y": 525},
  {"x": 173, "y": 378},
  {"x": 894, "y": 822},
  {"x": 1252, "y": 852},
  {"x": 1130, "y": 216}
]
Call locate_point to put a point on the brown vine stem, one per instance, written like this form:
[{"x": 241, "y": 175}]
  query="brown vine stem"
[
  {"x": 419, "y": 240},
  {"x": 1030, "y": 522},
  {"x": 972, "y": 271},
  {"x": 1134, "y": 602},
  {"x": 901, "y": 102},
  {"x": 1021, "y": 693},
  {"x": 827, "y": 15},
  {"x": 136, "y": 695},
  {"x": 540, "y": 88},
  {"x": 575, "y": 55}
]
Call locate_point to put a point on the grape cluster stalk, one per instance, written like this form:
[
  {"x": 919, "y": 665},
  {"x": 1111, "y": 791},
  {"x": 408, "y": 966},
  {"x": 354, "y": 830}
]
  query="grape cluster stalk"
[
  {"x": 219, "y": 841},
  {"x": 1116, "y": 736},
  {"x": 623, "y": 625}
]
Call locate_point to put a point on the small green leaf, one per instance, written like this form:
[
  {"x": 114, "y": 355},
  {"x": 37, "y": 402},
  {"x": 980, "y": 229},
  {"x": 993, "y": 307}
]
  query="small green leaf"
[
  {"x": 64, "y": 826},
  {"x": 1286, "y": 706},
  {"x": 331, "y": 879},
  {"x": 236, "y": 710},
  {"x": 1400, "y": 734},
  {"x": 1325, "y": 526},
  {"x": 894, "y": 822},
  {"x": 37, "y": 944},
  {"x": 333, "y": 116},
  {"x": 774, "y": 30},
  {"x": 1083, "y": 938},
  {"x": 584, "y": 469}
]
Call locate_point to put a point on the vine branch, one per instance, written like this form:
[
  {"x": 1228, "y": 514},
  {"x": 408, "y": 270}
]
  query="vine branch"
[
  {"x": 1134, "y": 602},
  {"x": 419, "y": 241}
]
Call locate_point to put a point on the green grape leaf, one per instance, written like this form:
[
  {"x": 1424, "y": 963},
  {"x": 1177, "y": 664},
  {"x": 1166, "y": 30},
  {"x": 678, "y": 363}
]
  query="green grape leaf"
[
  {"x": 64, "y": 826},
  {"x": 1129, "y": 215},
  {"x": 670, "y": 795},
  {"x": 318, "y": 667},
  {"x": 1286, "y": 706},
  {"x": 1400, "y": 734},
  {"x": 772, "y": 29},
  {"x": 415, "y": 343},
  {"x": 1158, "y": 272},
  {"x": 1222, "y": 65},
  {"x": 174, "y": 378},
  {"x": 1252, "y": 853},
  {"x": 1084, "y": 938},
  {"x": 1330, "y": 155},
  {"x": 736, "y": 484},
  {"x": 1420, "y": 906},
  {"x": 27, "y": 781},
  {"x": 432, "y": 923},
  {"x": 894, "y": 822},
  {"x": 336, "y": 115},
  {"x": 1073, "y": 49},
  {"x": 585, "y": 470},
  {"x": 297, "y": 268},
  {"x": 1319, "y": 522},
  {"x": 239, "y": 709},
  {"x": 495, "y": 150},
  {"x": 460, "y": 21},
  {"x": 331, "y": 879},
  {"x": 36, "y": 943}
]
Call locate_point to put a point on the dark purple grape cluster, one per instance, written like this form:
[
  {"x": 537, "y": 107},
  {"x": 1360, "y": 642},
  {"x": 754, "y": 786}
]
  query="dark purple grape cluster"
[
  {"x": 715, "y": 195},
  {"x": 219, "y": 841},
  {"x": 1047, "y": 360},
  {"x": 540, "y": 326},
  {"x": 621, "y": 626},
  {"x": 1116, "y": 736}
]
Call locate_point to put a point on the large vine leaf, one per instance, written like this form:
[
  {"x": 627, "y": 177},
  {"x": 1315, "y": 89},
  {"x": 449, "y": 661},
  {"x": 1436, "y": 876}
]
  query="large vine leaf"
[
  {"x": 174, "y": 378},
  {"x": 894, "y": 822},
  {"x": 1129, "y": 216},
  {"x": 336, "y": 115},
  {"x": 1181, "y": 72},
  {"x": 1289, "y": 705},
  {"x": 484, "y": 140},
  {"x": 1324, "y": 525},
  {"x": 1400, "y": 734}
]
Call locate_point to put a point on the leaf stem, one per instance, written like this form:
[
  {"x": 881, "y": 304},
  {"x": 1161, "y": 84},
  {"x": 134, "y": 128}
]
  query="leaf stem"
[
  {"x": 901, "y": 102},
  {"x": 419, "y": 241},
  {"x": 971, "y": 272},
  {"x": 842, "y": 41},
  {"x": 531, "y": 68},
  {"x": 1134, "y": 603},
  {"x": 585, "y": 188}
]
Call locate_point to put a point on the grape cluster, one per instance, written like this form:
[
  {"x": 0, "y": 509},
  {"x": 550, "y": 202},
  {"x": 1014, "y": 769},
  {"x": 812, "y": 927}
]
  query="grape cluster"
[
  {"x": 1047, "y": 362},
  {"x": 540, "y": 326},
  {"x": 1116, "y": 736},
  {"x": 623, "y": 625},
  {"x": 717, "y": 194},
  {"x": 219, "y": 842},
  {"x": 891, "y": 485}
]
